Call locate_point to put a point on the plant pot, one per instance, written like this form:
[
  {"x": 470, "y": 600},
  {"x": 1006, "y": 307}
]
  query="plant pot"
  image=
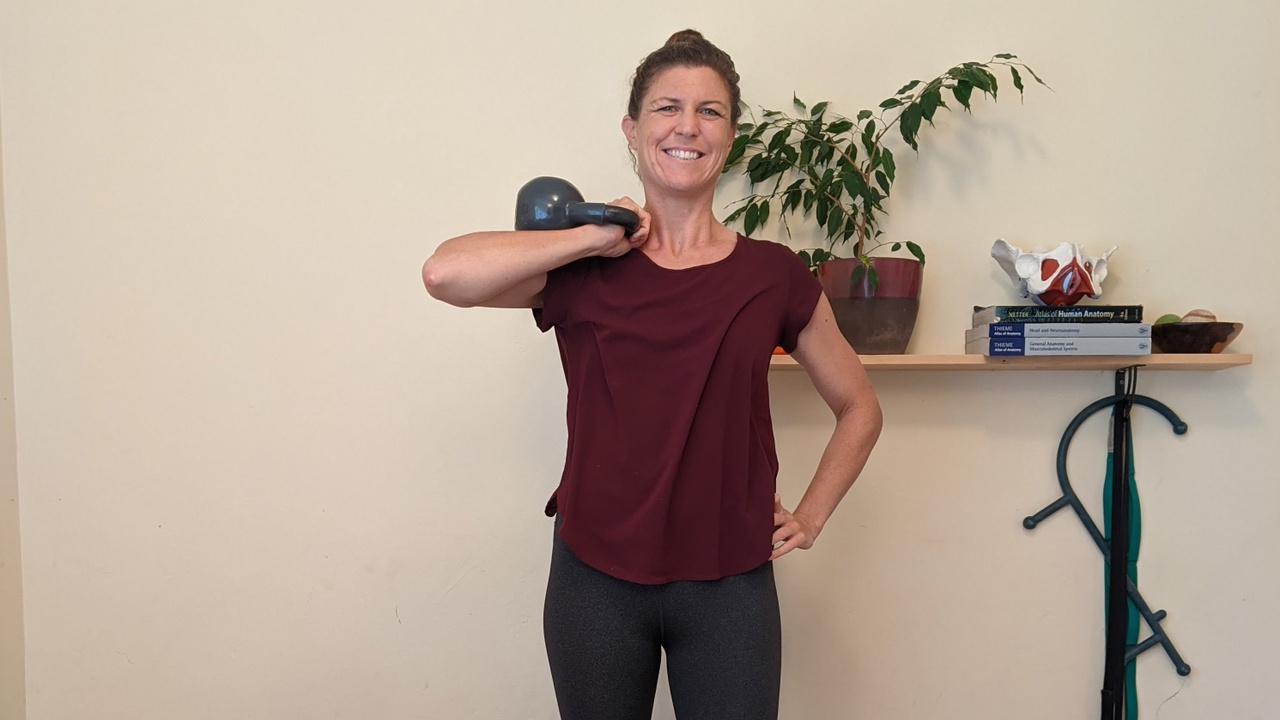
[{"x": 878, "y": 322}]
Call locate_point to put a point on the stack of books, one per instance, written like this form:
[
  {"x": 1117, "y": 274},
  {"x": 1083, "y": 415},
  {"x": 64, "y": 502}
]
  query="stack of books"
[{"x": 1014, "y": 330}]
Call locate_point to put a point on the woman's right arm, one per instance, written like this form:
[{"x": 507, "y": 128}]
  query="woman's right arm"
[{"x": 509, "y": 268}]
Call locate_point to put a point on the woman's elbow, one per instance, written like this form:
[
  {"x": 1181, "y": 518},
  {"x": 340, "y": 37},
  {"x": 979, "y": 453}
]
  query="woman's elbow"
[
  {"x": 864, "y": 410},
  {"x": 439, "y": 283},
  {"x": 875, "y": 418},
  {"x": 434, "y": 278}
]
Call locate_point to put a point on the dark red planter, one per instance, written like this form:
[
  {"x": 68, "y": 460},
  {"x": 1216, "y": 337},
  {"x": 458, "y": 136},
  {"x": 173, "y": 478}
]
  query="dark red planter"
[{"x": 879, "y": 322}]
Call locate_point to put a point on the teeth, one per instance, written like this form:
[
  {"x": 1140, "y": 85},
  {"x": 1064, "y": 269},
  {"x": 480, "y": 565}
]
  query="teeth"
[{"x": 684, "y": 154}]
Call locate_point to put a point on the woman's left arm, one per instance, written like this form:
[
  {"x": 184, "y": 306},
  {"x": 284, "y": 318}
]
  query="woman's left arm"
[{"x": 843, "y": 383}]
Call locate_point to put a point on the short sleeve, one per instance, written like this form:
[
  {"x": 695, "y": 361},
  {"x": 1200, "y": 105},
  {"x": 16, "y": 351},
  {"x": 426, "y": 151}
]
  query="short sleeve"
[
  {"x": 564, "y": 284},
  {"x": 803, "y": 291}
]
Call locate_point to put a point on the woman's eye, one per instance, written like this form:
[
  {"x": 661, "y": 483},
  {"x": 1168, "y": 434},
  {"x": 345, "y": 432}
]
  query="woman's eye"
[{"x": 711, "y": 112}]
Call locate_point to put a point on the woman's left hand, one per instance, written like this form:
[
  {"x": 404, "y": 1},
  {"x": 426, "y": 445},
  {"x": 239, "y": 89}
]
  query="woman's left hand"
[{"x": 791, "y": 530}]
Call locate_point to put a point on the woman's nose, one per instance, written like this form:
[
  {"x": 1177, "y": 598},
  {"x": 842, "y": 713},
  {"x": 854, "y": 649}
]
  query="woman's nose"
[{"x": 687, "y": 124}]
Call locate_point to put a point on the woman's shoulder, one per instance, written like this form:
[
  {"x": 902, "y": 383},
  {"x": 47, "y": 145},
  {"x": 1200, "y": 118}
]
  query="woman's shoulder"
[{"x": 769, "y": 249}]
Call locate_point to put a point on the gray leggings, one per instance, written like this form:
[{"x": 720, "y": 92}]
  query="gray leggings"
[{"x": 604, "y": 637}]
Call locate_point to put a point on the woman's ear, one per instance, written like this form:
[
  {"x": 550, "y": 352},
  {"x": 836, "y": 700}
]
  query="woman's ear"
[{"x": 629, "y": 131}]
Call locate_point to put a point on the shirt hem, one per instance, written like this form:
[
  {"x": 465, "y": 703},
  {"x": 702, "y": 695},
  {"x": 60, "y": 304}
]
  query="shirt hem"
[{"x": 639, "y": 578}]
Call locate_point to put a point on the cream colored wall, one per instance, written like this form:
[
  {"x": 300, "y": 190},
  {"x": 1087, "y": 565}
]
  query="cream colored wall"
[
  {"x": 12, "y": 676},
  {"x": 264, "y": 476}
]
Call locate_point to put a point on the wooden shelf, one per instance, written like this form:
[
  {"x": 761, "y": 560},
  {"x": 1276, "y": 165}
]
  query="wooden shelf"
[{"x": 1090, "y": 362}]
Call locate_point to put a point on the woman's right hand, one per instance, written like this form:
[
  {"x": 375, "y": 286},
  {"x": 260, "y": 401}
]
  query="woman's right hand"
[{"x": 616, "y": 242}]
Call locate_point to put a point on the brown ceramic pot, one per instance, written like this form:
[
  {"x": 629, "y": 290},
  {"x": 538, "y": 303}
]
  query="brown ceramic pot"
[{"x": 878, "y": 322}]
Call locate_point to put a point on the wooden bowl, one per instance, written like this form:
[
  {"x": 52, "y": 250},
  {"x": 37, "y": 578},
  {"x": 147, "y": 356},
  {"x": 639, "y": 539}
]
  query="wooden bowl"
[{"x": 1194, "y": 337}]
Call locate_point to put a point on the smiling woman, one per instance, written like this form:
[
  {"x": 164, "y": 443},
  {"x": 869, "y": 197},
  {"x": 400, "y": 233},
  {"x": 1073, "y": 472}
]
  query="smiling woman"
[
  {"x": 682, "y": 133},
  {"x": 667, "y": 518}
]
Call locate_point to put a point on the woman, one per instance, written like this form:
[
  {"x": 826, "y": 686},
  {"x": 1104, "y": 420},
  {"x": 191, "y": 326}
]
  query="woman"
[{"x": 667, "y": 521}]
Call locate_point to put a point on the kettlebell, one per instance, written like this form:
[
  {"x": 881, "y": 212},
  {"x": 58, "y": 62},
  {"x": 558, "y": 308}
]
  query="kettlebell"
[{"x": 550, "y": 203}]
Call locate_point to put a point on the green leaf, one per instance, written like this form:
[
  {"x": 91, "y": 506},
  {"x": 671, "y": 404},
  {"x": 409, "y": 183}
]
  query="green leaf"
[
  {"x": 930, "y": 101},
  {"x": 825, "y": 155},
  {"x": 818, "y": 109},
  {"x": 873, "y": 278},
  {"x": 807, "y": 149},
  {"x": 850, "y": 227},
  {"x": 882, "y": 181},
  {"x": 735, "y": 214},
  {"x": 779, "y": 139},
  {"x": 807, "y": 146},
  {"x": 824, "y": 207},
  {"x": 745, "y": 127},
  {"x": 869, "y": 135},
  {"x": 891, "y": 103},
  {"x": 806, "y": 257},
  {"x": 1017, "y": 79},
  {"x": 809, "y": 197},
  {"x": 751, "y": 218},
  {"x": 887, "y": 164},
  {"x": 914, "y": 249},
  {"x": 993, "y": 86},
  {"x": 982, "y": 80},
  {"x": 839, "y": 126},
  {"x": 764, "y": 213},
  {"x": 863, "y": 115},
  {"x": 908, "y": 87},
  {"x": 736, "y": 152},
  {"x": 858, "y": 271},
  {"x": 792, "y": 200},
  {"x": 895, "y": 247},
  {"x": 963, "y": 90},
  {"x": 798, "y": 103},
  {"x": 1007, "y": 56},
  {"x": 855, "y": 185},
  {"x": 909, "y": 125}
]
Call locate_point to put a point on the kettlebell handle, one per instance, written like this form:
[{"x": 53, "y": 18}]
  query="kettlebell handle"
[{"x": 586, "y": 213}]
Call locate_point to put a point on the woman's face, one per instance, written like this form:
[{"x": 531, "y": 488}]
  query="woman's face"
[{"x": 683, "y": 133}]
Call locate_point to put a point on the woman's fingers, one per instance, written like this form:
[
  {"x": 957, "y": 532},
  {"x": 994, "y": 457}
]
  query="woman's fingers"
[
  {"x": 789, "y": 531},
  {"x": 641, "y": 233}
]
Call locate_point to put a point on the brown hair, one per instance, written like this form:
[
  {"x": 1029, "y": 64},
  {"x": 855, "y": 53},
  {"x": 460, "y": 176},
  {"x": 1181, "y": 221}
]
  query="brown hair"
[{"x": 686, "y": 48}]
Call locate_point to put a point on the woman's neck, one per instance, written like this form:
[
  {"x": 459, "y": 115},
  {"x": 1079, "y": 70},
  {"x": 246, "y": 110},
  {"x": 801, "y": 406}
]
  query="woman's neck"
[{"x": 681, "y": 226}]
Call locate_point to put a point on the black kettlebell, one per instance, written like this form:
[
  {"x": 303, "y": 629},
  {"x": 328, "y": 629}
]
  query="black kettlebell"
[{"x": 550, "y": 203}]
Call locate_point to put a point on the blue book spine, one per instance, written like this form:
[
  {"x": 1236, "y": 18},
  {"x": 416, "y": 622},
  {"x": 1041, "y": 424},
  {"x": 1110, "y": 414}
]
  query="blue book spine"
[
  {"x": 1017, "y": 347},
  {"x": 1084, "y": 329}
]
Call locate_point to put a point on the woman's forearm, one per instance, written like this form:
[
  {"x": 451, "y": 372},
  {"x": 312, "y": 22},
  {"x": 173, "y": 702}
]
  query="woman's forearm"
[
  {"x": 857, "y": 429},
  {"x": 474, "y": 269}
]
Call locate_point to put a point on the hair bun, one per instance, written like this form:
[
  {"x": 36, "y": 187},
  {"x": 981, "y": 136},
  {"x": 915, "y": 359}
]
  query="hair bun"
[{"x": 686, "y": 36}]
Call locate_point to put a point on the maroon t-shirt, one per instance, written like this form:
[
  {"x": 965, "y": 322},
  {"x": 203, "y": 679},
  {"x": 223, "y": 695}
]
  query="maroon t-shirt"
[{"x": 670, "y": 469}]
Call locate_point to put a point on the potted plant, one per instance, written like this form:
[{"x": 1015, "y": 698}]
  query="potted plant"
[{"x": 841, "y": 170}]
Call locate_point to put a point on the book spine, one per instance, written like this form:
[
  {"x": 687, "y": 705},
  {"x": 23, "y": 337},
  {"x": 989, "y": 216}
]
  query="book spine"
[
  {"x": 1014, "y": 347},
  {"x": 1021, "y": 330},
  {"x": 1038, "y": 314}
]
